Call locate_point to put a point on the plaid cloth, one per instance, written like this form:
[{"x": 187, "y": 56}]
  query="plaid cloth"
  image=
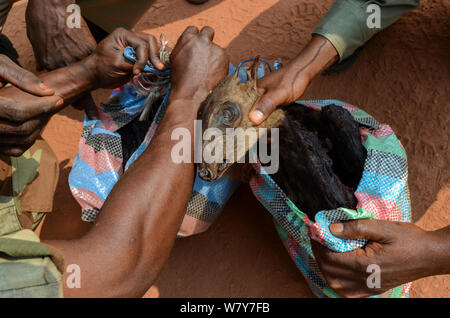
[
  {"x": 99, "y": 162},
  {"x": 382, "y": 192}
]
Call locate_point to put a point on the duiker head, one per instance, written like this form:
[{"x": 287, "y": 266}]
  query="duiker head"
[{"x": 228, "y": 133}]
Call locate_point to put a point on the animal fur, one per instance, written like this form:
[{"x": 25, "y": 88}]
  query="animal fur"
[{"x": 321, "y": 155}]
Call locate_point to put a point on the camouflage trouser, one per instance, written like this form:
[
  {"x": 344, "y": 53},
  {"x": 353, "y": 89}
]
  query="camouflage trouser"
[{"x": 28, "y": 268}]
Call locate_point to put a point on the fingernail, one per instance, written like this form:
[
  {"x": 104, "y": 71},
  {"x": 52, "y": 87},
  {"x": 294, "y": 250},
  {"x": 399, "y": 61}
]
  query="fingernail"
[
  {"x": 44, "y": 87},
  {"x": 337, "y": 228},
  {"x": 257, "y": 116},
  {"x": 60, "y": 102}
]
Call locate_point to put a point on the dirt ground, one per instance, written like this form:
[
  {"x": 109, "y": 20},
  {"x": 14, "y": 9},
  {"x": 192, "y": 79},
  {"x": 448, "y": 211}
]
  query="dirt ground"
[{"x": 402, "y": 78}]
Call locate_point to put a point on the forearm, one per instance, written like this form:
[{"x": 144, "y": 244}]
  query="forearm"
[
  {"x": 68, "y": 83},
  {"x": 317, "y": 55},
  {"x": 130, "y": 242},
  {"x": 72, "y": 81},
  {"x": 439, "y": 258}
]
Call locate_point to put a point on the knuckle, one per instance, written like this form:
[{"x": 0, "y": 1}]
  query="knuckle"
[
  {"x": 18, "y": 115},
  {"x": 360, "y": 265},
  {"x": 30, "y": 78},
  {"x": 120, "y": 30},
  {"x": 353, "y": 227},
  {"x": 30, "y": 138},
  {"x": 14, "y": 152},
  {"x": 145, "y": 46},
  {"x": 11, "y": 112},
  {"x": 26, "y": 129},
  {"x": 334, "y": 284},
  {"x": 355, "y": 294},
  {"x": 4, "y": 59}
]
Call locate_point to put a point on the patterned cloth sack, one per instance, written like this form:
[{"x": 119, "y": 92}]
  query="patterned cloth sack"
[
  {"x": 100, "y": 161},
  {"x": 382, "y": 192}
]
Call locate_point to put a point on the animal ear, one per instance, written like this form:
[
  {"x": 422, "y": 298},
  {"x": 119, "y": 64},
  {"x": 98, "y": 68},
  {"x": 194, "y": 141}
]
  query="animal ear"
[
  {"x": 252, "y": 72},
  {"x": 236, "y": 73}
]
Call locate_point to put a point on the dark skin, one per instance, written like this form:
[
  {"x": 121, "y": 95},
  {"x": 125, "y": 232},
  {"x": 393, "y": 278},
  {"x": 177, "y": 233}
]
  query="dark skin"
[
  {"x": 127, "y": 263},
  {"x": 19, "y": 126},
  {"x": 288, "y": 84},
  {"x": 55, "y": 45},
  {"x": 403, "y": 251},
  {"x": 23, "y": 115},
  {"x": 145, "y": 220}
]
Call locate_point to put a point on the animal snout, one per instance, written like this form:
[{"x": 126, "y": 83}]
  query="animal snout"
[{"x": 206, "y": 174}]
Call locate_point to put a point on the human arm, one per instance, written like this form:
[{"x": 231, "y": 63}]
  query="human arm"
[
  {"x": 131, "y": 239},
  {"x": 344, "y": 28},
  {"x": 55, "y": 43},
  {"x": 349, "y": 24},
  {"x": 403, "y": 251},
  {"x": 23, "y": 115}
]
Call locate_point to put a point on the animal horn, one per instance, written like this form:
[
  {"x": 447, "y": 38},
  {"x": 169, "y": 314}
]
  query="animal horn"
[{"x": 253, "y": 70}]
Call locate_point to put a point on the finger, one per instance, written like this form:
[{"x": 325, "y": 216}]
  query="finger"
[
  {"x": 153, "y": 52},
  {"x": 11, "y": 129},
  {"x": 20, "y": 112},
  {"x": 327, "y": 258},
  {"x": 360, "y": 229},
  {"x": 322, "y": 253},
  {"x": 142, "y": 49},
  {"x": 15, "y": 151},
  {"x": 207, "y": 32},
  {"x": 264, "y": 106},
  {"x": 22, "y": 141},
  {"x": 23, "y": 79},
  {"x": 140, "y": 46},
  {"x": 188, "y": 34}
]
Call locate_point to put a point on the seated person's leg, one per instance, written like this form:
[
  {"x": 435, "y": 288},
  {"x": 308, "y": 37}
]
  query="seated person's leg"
[{"x": 27, "y": 186}]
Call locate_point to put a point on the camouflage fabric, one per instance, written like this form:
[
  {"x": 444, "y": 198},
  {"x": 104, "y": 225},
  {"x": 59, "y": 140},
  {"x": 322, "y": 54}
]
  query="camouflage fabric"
[{"x": 28, "y": 268}]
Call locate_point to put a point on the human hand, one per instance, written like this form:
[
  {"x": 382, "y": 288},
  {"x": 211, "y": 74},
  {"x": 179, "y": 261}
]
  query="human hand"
[
  {"x": 12, "y": 73},
  {"x": 403, "y": 252},
  {"x": 197, "y": 64},
  {"x": 22, "y": 119},
  {"x": 287, "y": 84},
  {"x": 108, "y": 65}
]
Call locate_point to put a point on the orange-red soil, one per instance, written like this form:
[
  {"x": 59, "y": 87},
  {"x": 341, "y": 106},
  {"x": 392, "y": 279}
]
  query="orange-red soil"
[{"x": 402, "y": 78}]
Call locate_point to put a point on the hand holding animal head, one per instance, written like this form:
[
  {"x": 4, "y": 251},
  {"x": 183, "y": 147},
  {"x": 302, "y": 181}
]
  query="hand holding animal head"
[{"x": 225, "y": 122}]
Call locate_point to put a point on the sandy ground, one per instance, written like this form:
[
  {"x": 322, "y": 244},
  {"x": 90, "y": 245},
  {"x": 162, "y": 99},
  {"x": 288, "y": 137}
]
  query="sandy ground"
[{"x": 402, "y": 79}]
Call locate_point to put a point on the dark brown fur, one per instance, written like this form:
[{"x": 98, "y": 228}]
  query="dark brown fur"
[{"x": 321, "y": 155}]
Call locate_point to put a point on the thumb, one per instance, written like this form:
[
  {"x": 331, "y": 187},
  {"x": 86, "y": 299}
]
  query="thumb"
[
  {"x": 23, "y": 79},
  {"x": 264, "y": 106},
  {"x": 360, "y": 229}
]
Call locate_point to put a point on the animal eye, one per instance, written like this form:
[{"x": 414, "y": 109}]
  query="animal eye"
[{"x": 229, "y": 113}]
